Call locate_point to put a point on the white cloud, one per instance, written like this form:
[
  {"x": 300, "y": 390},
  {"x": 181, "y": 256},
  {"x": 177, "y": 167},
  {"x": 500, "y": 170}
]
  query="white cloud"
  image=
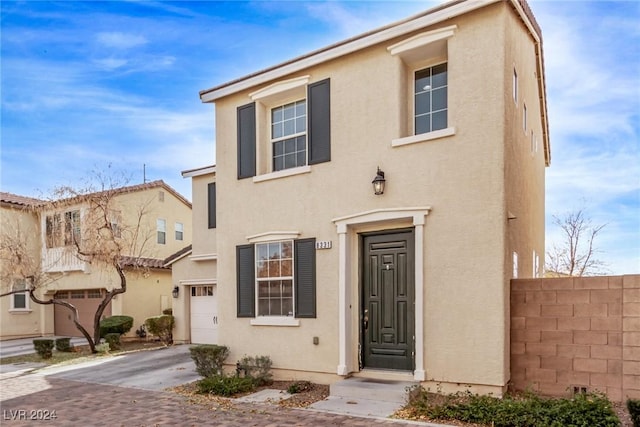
[{"x": 119, "y": 40}]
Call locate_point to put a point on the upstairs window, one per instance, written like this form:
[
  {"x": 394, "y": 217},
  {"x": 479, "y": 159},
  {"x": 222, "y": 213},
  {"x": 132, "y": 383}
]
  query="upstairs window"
[
  {"x": 161, "y": 226},
  {"x": 285, "y": 130},
  {"x": 289, "y": 135},
  {"x": 62, "y": 229},
  {"x": 179, "y": 231},
  {"x": 430, "y": 95},
  {"x": 211, "y": 204}
]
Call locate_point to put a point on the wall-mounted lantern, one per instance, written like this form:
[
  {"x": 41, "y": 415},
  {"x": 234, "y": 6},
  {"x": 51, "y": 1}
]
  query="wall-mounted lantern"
[
  {"x": 175, "y": 292},
  {"x": 378, "y": 183}
]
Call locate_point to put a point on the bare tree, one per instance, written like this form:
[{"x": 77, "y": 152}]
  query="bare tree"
[
  {"x": 576, "y": 254},
  {"x": 102, "y": 240}
]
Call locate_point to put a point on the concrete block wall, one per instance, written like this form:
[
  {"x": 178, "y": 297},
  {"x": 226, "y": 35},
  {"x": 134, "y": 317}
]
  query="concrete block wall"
[{"x": 576, "y": 333}]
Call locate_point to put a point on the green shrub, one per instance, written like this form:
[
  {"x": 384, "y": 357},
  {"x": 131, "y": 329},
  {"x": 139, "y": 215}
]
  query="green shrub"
[
  {"x": 113, "y": 339},
  {"x": 103, "y": 347},
  {"x": 209, "y": 359},
  {"x": 44, "y": 347},
  {"x": 299, "y": 387},
  {"x": 64, "y": 344},
  {"x": 115, "y": 325},
  {"x": 162, "y": 327},
  {"x": 168, "y": 311},
  {"x": 633, "y": 405},
  {"x": 530, "y": 410},
  {"x": 222, "y": 385},
  {"x": 257, "y": 368}
]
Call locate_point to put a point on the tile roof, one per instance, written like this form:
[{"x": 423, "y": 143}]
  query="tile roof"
[
  {"x": 176, "y": 256},
  {"x": 130, "y": 261},
  {"x": 15, "y": 199}
]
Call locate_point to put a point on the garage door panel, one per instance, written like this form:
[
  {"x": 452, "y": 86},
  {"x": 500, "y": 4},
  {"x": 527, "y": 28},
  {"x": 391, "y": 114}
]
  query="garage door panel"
[
  {"x": 87, "y": 302},
  {"x": 204, "y": 315}
]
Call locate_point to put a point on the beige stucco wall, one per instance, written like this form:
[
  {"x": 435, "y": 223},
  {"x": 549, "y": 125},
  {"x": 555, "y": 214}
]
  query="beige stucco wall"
[
  {"x": 199, "y": 267},
  {"x": 37, "y": 320},
  {"x": 461, "y": 177}
]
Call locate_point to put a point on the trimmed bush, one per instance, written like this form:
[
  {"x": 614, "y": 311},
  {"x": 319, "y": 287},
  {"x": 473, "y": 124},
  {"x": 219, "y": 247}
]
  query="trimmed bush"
[
  {"x": 584, "y": 409},
  {"x": 103, "y": 347},
  {"x": 258, "y": 368},
  {"x": 162, "y": 327},
  {"x": 64, "y": 344},
  {"x": 168, "y": 311},
  {"x": 115, "y": 325},
  {"x": 222, "y": 385},
  {"x": 44, "y": 347},
  {"x": 209, "y": 359},
  {"x": 633, "y": 405},
  {"x": 113, "y": 339}
]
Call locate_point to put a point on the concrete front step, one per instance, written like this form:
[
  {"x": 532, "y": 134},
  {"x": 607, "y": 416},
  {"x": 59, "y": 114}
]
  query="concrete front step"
[{"x": 372, "y": 389}]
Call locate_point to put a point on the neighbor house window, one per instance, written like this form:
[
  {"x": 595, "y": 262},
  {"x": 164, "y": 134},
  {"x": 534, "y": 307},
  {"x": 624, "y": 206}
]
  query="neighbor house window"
[
  {"x": 76, "y": 294},
  {"x": 274, "y": 278},
  {"x": 430, "y": 93},
  {"x": 162, "y": 231},
  {"x": 289, "y": 135},
  {"x": 72, "y": 228},
  {"x": 53, "y": 231},
  {"x": 20, "y": 301},
  {"x": 94, "y": 293},
  {"x": 179, "y": 231}
]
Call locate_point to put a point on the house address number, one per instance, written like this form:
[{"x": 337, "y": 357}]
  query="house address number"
[{"x": 323, "y": 244}]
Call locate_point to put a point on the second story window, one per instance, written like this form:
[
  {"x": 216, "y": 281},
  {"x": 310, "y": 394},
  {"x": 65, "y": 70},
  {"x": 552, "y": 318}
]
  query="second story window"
[
  {"x": 430, "y": 106},
  {"x": 162, "y": 231},
  {"x": 62, "y": 229},
  {"x": 179, "y": 231},
  {"x": 211, "y": 204},
  {"x": 289, "y": 135}
]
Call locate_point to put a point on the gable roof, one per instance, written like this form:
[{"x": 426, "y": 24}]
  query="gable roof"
[{"x": 122, "y": 190}]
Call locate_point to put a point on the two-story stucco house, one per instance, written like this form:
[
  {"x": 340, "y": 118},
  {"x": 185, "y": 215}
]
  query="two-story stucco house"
[
  {"x": 375, "y": 197},
  {"x": 164, "y": 227}
]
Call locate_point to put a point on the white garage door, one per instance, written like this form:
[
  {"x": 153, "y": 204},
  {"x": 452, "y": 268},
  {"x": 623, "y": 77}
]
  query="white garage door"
[{"x": 204, "y": 315}]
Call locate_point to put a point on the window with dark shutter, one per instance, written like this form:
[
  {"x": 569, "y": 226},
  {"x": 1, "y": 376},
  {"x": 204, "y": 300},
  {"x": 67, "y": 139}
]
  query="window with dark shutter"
[
  {"x": 305, "y": 278},
  {"x": 319, "y": 116},
  {"x": 246, "y": 281},
  {"x": 247, "y": 141},
  {"x": 211, "y": 201}
]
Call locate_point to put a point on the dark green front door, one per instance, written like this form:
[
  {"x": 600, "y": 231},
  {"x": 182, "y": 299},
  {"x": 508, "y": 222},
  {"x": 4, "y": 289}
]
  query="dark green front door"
[{"x": 388, "y": 300}]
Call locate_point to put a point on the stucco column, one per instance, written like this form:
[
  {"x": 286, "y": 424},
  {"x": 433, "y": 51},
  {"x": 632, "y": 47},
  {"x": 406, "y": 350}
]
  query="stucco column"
[
  {"x": 418, "y": 222},
  {"x": 343, "y": 254}
]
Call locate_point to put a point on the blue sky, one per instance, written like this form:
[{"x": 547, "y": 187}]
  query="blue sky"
[{"x": 88, "y": 84}]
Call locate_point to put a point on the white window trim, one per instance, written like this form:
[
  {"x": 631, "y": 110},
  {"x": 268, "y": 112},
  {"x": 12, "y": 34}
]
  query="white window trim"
[
  {"x": 282, "y": 173},
  {"x": 275, "y": 321},
  {"x": 413, "y": 48},
  {"x": 277, "y": 92},
  {"x": 413, "y": 139}
]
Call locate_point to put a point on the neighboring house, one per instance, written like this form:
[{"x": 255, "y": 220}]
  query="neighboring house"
[
  {"x": 19, "y": 316},
  {"x": 165, "y": 227},
  {"x": 330, "y": 279},
  {"x": 194, "y": 267}
]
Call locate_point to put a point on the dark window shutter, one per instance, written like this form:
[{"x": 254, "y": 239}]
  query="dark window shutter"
[
  {"x": 305, "y": 277},
  {"x": 247, "y": 141},
  {"x": 211, "y": 193},
  {"x": 319, "y": 131},
  {"x": 246, "y": 281}
]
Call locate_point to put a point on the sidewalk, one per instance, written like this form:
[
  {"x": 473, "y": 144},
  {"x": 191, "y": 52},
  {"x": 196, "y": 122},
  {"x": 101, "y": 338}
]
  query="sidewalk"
[{"x": 22, "y": 346}]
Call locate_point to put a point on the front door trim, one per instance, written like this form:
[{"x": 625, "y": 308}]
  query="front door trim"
[{"x": 348, "y": 228}]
